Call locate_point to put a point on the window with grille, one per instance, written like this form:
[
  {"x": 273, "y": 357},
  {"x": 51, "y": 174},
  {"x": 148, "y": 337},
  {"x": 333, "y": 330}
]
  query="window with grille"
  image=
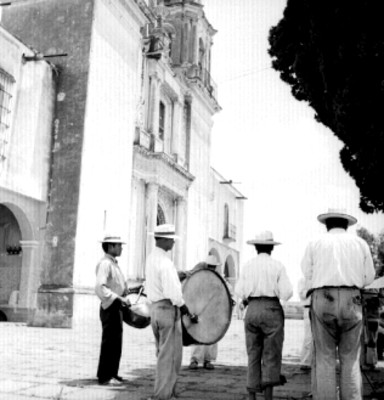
[{"x": 6, "y": 83}]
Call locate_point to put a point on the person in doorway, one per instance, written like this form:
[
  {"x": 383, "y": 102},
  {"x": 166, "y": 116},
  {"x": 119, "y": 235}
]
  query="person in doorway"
[
  {"x": 336, "y": 266},
  {"x": 205, "y": 354},
  {"x": 307, "y": 346},
  {"x": 263, "y": 282},
  {"x": 167, "y": 305},
  {"x": 112, "y": 290}
]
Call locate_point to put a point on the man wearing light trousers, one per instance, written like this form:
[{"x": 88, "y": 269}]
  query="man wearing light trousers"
[{"x": 336, "y": 266}]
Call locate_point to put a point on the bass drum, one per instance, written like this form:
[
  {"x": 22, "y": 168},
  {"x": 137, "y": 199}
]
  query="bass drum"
[
  {"x": 138, "y": 315},
  {"x": 206, "y": 294}
]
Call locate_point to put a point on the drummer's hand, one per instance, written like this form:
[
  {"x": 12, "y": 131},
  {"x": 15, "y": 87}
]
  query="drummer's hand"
[
  {"x": 125, "y": 301},
  {"x": 194, "y": 318}
]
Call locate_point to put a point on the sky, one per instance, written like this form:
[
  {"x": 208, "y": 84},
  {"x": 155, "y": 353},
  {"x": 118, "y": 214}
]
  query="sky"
[{"x": 286, "y": 163}]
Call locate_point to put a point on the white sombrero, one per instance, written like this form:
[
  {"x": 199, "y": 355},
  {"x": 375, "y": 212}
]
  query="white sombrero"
[
  {"x": 336, "y": 213},
  {"x": 265, "y": 237},
  {"x": 212, "y": 260},
  {"x": 112, "y": 239},
  {"x": 165, "y": 231}
]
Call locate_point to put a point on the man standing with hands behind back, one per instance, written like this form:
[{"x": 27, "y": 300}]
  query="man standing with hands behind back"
[
  {"x": 263, "y": 282},
  {"x": 336, "y": 266},
  {"x": 111, "y": 289},
  {"x": 164, "y": 291}
]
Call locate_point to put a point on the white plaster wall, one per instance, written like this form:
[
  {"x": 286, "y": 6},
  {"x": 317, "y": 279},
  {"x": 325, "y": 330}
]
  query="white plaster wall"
[
  {"x": 137, "y": 240},
  {"x": 113, "y": 94},
  {"x": 26, "y": 168},
  {"x": 198, "y": 197}
]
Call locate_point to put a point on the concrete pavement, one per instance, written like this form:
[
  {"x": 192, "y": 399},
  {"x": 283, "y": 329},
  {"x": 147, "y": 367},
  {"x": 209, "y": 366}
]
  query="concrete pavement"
[{"x": 44, "y": 363}]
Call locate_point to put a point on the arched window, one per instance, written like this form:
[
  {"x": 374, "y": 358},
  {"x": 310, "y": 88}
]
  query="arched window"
[{"x": 160, "y": 216}]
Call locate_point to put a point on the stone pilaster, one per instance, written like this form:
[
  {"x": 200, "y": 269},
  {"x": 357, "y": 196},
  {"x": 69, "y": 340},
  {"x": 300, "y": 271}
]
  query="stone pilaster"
[
  {"x": 154, "y": 102},
  {"x": 181, "y": 230},
  {"x": 176, "y": 126},
  {"x": 29, "y": 274},
  {"x": 152, "y": 195}
]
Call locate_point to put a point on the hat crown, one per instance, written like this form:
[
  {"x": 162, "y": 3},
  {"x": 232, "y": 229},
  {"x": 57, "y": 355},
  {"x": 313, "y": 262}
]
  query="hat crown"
[
  {"x": 164, "y": 229},
  {"x": 112, "y": 238},
  {"x": 212, "y": 260},
  {"x": 264, "y": 236}
]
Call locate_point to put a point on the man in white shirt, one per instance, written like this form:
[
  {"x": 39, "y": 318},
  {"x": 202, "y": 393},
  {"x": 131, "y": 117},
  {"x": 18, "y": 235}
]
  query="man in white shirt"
[
  {"x": 336, "y": 266},
  {"x": 163, "y": 289},
  {"x": 111, "y": 289},
  {"x": 262, "y": 283}
]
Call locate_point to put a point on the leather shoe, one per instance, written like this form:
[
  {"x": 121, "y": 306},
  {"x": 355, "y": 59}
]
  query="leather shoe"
[{"x": 208, "y": 365}]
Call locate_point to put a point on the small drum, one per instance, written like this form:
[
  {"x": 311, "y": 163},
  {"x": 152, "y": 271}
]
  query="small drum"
[
  {"x": 138, "y": 314},
  {"x": 206, "y": 294}
]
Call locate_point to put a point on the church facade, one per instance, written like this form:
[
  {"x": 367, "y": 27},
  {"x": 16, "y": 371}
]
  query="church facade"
[{"x": 129, "y": 146}]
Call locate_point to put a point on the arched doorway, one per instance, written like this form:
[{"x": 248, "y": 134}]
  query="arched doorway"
[
  {"x": 230, "y": 270},
  {"x": 10, "y": 253}
]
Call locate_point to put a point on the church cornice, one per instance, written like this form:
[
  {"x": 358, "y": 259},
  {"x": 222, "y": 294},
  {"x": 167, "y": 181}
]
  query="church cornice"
[{"x": 160, "y": 168}]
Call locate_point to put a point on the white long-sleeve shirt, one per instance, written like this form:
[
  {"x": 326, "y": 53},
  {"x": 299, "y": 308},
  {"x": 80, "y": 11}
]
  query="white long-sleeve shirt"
[
  {"x": 162, "y": 280},
  {"x": 264, "y": 276},
  {"x": 110, "y": 281},
  {"x": 337, "y": 258}
]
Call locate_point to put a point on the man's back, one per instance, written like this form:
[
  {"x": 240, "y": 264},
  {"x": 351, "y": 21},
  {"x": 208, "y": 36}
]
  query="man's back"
[{"x": 338, "y": 258}]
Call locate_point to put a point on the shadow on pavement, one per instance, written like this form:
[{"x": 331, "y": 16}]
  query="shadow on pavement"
[{"x": 225, "y": 383}]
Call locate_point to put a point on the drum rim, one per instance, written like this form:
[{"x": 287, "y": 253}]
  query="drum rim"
[{"x": 230, "y": 310}]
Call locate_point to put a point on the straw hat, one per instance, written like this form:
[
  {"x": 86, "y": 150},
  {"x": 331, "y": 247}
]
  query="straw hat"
[
  {"x": 165, "y": 231},
  {"x": 264, "y": 237},
  {"x": 212, "y": 260},
  {"x": 336, "y": 213},
  {"x": 108, "y": 238}
]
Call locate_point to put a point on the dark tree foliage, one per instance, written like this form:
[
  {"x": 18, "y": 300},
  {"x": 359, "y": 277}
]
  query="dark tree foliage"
[
  {"x": 376, "y": 245},
  {"x": 331, "y": 53}
]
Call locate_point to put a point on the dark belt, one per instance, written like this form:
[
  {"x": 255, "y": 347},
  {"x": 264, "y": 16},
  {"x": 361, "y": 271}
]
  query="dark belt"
[
  {"x": 268, "y": 298},
  {"x": 310, "y": 291}
]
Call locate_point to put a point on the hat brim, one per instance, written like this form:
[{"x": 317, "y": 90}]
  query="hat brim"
[
  {"x": 113, "y": 241},
  {"x": 323, "y": 217},
  {"x": 271, "y": 242},
  {"x": 174, "y": 237}
]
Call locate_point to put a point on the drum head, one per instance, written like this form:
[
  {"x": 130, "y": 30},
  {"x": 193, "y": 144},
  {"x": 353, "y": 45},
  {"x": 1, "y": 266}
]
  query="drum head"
[{"x": 206, "y": 294}]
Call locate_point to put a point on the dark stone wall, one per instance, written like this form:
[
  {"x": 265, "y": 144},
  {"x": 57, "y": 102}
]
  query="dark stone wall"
[{"x": 53, "y": 27}]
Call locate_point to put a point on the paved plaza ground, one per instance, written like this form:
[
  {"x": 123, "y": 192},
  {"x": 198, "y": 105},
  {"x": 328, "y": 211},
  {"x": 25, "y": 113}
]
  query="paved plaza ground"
[{"x": 45, "y": 363}]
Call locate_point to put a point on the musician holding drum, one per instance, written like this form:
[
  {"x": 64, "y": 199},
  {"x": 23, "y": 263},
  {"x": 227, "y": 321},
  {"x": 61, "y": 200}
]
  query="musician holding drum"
[
  {"x": 163, "y": 288},
  {"x": 112, "y": 290},
  {"x": 263, "y": 282},
  {"x": 205, "y": 354}
]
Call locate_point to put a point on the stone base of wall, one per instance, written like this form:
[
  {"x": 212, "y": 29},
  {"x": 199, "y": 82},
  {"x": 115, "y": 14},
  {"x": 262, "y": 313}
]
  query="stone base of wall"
[
  {"x": 54, "y": 309},
  {"x": 86, "y": 309}
]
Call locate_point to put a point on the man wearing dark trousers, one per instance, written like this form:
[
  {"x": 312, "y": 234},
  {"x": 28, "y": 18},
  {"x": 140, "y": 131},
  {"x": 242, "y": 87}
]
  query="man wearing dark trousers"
[
  {"x": 262, "y": 283},
  {"x": 112, "y": 290}
]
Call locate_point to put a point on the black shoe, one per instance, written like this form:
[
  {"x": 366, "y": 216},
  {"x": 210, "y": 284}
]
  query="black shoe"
[{"x": 119, "y": 378}]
